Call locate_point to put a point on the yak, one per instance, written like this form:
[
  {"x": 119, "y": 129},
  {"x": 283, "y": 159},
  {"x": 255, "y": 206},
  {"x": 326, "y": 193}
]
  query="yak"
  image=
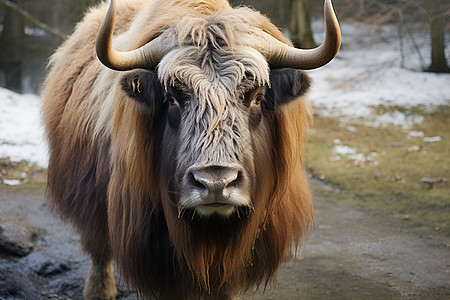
[{"x": 176, "y": 130}]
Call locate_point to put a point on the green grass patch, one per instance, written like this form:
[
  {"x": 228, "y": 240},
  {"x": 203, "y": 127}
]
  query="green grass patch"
[{"x": 383, "y": 168}]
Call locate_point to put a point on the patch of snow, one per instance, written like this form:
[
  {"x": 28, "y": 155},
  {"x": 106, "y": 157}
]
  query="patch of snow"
[
  {"x": 415, "y": 133},
  {"x": 11, "y": 181},
  {"x": 21, "y": 130},
  {"x": 359, "y": 159},
  {"x": 367, "y": 73},
  {"x": 414, "y": 148},
  {"x": 432, "y": 139},
  {"x": 344, "y": 150},
  {"x": 396, "y": 118}
]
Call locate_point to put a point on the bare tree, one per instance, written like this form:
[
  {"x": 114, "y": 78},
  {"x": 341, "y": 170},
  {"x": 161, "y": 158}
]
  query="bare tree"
[
  {"x": 405, "y": 14},
  {"x": 437, "y": 32},
  {"x": 12, "y": 7},
  {"x": 300, "y": 24},
  {"x": 293, "y": 15},
  {"x": 11, "y": 41},
  {"x": 22, "y": 48}
]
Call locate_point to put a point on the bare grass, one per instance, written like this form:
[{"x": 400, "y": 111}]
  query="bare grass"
[{"x": 388, "y": 168}]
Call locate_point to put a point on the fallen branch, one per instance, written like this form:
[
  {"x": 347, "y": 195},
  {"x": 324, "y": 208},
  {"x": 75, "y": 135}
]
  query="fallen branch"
[{"x": 53, "y": 31}]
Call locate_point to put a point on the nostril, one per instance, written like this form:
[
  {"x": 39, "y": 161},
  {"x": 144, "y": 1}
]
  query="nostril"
[
  {"x": 235, "y": 182},
  {"x": 197, "y": 182}
]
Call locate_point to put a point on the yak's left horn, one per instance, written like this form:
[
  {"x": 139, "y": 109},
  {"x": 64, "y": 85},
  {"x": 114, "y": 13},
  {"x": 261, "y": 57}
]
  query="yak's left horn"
[
  {"x": 281, "y": 55},
  {"x": 147, "y": 56}
]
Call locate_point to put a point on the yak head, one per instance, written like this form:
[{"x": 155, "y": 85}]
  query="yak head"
[{"x": 218, "y": 83}]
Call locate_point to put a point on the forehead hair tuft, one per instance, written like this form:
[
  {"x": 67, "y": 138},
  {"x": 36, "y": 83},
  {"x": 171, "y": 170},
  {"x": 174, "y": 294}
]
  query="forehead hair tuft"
[{"x": 213, "y": 59}]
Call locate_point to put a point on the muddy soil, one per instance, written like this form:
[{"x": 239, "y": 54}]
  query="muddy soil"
[{"x": 352, "y": 254}]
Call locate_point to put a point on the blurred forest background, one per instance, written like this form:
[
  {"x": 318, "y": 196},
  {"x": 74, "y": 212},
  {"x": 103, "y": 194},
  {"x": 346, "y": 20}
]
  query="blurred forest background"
[{"x": 30, "y": 30}]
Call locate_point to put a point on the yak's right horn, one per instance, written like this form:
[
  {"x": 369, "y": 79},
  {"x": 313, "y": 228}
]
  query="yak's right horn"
[{"x": 147, "y": 56}]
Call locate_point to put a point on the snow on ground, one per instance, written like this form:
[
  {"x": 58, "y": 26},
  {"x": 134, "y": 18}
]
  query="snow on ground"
[
  {"x": 21, "y": 130},
  {"x": 365, "y": 74}
]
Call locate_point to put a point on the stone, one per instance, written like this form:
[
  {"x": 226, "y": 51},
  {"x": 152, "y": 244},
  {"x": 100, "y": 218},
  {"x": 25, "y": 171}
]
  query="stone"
[{"x": 17, "y": 238}]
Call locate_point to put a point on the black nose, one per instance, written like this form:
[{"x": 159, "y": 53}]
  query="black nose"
[{"x": 215, "y": 180}]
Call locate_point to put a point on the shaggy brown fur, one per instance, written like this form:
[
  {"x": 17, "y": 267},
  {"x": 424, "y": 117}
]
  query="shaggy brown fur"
[{"x": 108, "y": 177}]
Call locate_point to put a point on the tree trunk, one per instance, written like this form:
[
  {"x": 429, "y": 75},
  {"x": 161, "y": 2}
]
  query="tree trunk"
[
  {"x": 300, "y": 27},
  {"x": 11, "y": 42},
  {"x": 14, "y": 8},
  {"x": 438, "y": 62}
]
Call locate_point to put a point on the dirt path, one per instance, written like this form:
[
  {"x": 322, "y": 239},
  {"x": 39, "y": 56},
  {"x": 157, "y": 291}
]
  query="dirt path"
[
  {"x": 351, "y": 255},
  {"x": 354, "y": 255}
]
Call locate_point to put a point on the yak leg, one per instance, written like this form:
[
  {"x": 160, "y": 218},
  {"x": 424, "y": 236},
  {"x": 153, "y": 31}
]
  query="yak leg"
[{"x": 100, "y": 283}]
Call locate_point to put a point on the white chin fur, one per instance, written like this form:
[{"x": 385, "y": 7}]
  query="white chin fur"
[{"x": 194, "y": 200}]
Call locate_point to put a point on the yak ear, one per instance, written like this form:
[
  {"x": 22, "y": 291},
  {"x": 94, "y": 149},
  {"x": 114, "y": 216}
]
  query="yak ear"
[
  {"x": 286, "y": 85},
  {"x": 144, "y": 87}
]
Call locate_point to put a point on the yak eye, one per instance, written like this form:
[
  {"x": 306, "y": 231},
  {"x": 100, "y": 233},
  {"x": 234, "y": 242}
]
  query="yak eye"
[
  {"x": 258, "y": 99},
  {"x": 174, "y": 112},
  {"x": 171, "y": 100}
]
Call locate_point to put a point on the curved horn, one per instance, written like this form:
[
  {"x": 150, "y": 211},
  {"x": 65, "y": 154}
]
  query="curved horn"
[
  {"x": 281, "y": 55},
  {"x": 148, "y": 56}
]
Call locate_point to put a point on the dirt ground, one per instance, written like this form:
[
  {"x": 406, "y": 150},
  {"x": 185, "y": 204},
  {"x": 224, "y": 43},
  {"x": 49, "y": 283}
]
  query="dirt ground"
[{"x": 352, "y": 254}]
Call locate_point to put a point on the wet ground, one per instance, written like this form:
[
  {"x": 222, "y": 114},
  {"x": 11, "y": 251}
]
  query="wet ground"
[{"x": 352, "y": 254}]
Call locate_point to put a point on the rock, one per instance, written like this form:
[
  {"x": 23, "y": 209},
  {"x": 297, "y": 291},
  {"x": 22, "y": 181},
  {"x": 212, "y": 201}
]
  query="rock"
[
  {"x": 66, "y": 288},
  {"x": 17, "y": 238},
  {"x": 50, "y": 268},
  {"x": 16, "y": 282},
  {"x": 428, "y": 180}
]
